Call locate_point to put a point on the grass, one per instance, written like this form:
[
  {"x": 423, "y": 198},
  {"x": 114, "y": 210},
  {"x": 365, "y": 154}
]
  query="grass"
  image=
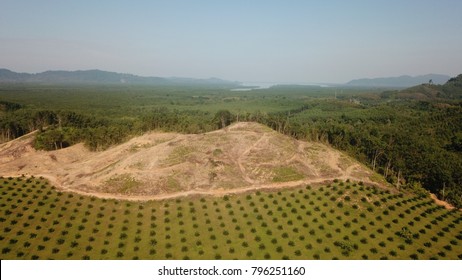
[
  {"x": 217, "y": 152},
  {"x": 286, "y": 174},
  {"x": 303, "y": 223},
  {"x": 173, "y": 184},
  {"x": 178, "y": 155},
  {"x": 123, "y": 183}
]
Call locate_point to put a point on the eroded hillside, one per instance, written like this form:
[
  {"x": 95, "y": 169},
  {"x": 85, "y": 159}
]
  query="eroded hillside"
[{"x": 242, "y": 157}]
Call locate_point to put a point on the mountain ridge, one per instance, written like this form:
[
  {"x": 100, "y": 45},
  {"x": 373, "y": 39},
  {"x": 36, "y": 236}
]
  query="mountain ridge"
[
  {"x": 96, "y": 76},
  {"x": 399, "y": 81}
]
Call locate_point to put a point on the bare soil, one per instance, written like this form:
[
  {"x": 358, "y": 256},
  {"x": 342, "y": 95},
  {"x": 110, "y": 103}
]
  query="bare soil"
[
  {"x": 441, "y": 202},
  {"x": 243, "y": 157}
]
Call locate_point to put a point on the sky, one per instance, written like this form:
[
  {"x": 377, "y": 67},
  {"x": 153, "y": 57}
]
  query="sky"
[{"x": 249, "y": 41}]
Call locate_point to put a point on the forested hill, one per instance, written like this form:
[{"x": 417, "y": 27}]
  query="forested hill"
[
  {"x": 451, "y": 90},
  {"x": 400, "y": 82},
  {"x": 101, "y": 77}
]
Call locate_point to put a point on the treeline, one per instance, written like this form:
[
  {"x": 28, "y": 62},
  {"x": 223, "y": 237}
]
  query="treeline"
[
  {"x": 61, "y": 129},
  {"x": 9, "y": 106}
]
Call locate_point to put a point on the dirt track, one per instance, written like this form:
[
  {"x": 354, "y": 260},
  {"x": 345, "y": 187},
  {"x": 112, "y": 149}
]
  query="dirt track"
[
  {"x": 442, "y": 203},
  {"x": 209, "y": 192}
]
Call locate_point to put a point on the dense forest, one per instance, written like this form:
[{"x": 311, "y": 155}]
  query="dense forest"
[{"x": 413, "y": 137}]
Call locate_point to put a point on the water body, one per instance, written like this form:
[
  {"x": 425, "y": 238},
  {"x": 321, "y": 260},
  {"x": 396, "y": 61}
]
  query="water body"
[{"x": 248, "y": 86}]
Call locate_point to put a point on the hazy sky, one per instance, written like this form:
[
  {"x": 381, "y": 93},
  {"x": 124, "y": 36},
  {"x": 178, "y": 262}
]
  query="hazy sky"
[{"x": 266, "y": 41}]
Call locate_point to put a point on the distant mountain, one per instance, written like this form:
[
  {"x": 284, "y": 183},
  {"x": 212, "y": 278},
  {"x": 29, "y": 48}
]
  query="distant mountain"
[
  {"x": 7, "y": 76},
  {"x": 102, "y": 77},
  {"x": 400, "y": 82}
]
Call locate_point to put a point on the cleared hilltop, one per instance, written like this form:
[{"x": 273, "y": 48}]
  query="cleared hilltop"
[{"x": 243, "y": 156}]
